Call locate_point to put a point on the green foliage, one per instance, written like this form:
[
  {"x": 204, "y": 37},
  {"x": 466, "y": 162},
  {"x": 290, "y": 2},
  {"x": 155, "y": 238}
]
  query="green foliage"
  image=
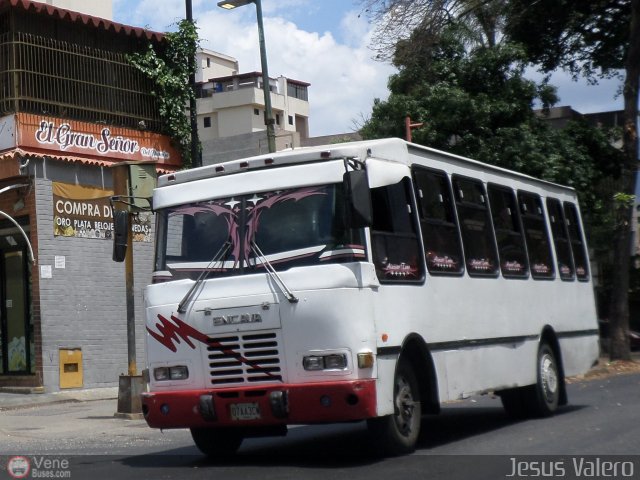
[
  {"x": 623, "y": 200},
  {"x": 586, "y": 37},
  {"x": 170, "y": 70}
]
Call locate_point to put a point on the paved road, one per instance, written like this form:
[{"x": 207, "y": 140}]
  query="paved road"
[{"x": 471, "y": 439}]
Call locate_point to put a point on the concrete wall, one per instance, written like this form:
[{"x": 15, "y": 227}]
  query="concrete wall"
[
  {"x": 247, "y": 145},
  {"x": 220, "y": 65},
  {"x": 100, "y": 8}
]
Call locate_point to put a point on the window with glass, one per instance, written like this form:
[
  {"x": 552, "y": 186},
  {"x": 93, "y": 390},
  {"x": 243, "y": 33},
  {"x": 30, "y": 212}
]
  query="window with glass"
[
  {"x": 508, "y": 230},
  {"x": 475, "y": 225},
  {"x": 560, "y": 239},
  {"x": 576, "y": 238},
  {"x": 241, "y": 234},
  {"x": 536, "y": 236},
  {"x": 394, "y": 238},
  {"x": 443, "y": 250}
]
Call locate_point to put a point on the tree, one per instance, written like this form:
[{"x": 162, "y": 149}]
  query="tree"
[
  {"x": 594, "y": 38},
  {"x": 398, "y": 20},
  {"x": 170, "y": 69}
]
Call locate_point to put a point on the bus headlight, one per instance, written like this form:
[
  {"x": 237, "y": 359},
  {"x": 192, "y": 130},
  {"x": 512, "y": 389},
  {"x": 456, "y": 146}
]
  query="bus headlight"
[
  {"x": 333, "y": 361},
  {"x": 181, "y": 372},
  {"x": 313, "y": 362},
  {"x": 178, "y": 372},
  {"x": 161, "y": 373}
]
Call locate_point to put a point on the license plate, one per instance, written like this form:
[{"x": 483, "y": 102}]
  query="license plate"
[{"x": 245, "y": 411}]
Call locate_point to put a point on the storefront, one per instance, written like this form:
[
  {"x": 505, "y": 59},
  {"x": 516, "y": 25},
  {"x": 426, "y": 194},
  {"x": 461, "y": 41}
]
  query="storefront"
[{"x": 62, "y": 312}]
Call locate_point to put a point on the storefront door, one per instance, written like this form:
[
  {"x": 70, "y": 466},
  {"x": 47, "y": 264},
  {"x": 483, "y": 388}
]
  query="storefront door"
[{"x": 16, "y": 328}]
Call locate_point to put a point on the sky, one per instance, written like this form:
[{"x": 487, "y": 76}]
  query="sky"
[{"x": 322, "y": 42}]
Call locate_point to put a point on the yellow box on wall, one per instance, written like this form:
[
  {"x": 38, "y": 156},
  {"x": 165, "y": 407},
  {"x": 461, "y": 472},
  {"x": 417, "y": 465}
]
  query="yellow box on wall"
[{"x": 70, "y": 367}]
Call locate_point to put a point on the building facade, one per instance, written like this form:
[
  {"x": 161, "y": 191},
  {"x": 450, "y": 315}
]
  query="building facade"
[
  {"x": 72, "y": 109},
  {"x": 100, "y": 8},
  {"x": 231, "y": 110}
]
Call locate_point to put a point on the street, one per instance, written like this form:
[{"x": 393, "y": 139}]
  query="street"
[{"x": 470, "y": 439}]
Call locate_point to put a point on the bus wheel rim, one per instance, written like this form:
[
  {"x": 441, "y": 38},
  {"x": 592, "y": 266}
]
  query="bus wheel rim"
[{"x": 549, "y": 377}]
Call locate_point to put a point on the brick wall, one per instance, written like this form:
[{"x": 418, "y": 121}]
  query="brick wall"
[{"x": 83, "y": 305}]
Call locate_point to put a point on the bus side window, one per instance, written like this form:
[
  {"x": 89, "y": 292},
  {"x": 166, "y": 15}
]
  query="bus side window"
[
  {"x": 560, "y": 239},
  {"x": 577, "y": 242},
  {"x": 440, "y": 232},
  {"x": 536, "y": 236},
  {"x": 506, "y": 223},
  {"x": 396, "y": 251},
  {"x": 475, "y": 224}
]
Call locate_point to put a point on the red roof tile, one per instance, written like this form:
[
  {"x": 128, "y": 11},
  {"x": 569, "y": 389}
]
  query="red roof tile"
[{"x": 71, "y": 16}]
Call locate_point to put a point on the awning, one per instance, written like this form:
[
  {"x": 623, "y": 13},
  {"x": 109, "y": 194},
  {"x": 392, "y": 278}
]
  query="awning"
[{"x": 7, "y": 169}]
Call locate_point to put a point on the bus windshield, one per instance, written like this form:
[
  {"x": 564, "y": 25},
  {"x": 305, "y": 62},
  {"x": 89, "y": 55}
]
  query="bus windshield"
[{"x": 238, "y": 235}]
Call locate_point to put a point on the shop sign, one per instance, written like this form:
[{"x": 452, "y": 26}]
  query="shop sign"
[{"x": 85, "y": 212}]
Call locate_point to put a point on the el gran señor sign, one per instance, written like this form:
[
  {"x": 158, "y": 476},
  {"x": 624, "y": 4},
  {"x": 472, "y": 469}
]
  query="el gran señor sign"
[
  {"x": 85, "y": 212},
  {"x": 93, "y": 140}
]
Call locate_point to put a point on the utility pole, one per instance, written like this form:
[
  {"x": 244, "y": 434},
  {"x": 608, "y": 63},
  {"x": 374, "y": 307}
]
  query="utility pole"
[
  {"x": 130, "y": 386},
  {"x": 196, "y": 161},
  {"x": 408, "y": 126}
]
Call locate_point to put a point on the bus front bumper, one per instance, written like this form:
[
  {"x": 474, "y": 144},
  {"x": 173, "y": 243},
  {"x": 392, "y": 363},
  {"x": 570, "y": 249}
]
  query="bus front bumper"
[{"x": 252, "y": 407}]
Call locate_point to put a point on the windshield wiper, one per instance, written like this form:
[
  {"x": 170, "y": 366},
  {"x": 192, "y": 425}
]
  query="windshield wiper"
[
  {"x": 219, "y": 256},
  {"x": 273, "y": 274}
]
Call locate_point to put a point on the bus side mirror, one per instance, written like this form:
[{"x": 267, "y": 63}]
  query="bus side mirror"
[
  {"x": 356, "y": 187},
  {"x": 120, "y": 234}
]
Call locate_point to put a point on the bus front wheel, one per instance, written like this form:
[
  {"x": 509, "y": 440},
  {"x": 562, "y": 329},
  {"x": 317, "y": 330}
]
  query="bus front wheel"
[
  {"x": 217, "y": 443},
  {"x": 397, "y": 434}
]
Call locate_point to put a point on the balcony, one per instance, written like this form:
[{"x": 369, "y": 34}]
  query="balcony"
[{"x": 42, "y": 75}]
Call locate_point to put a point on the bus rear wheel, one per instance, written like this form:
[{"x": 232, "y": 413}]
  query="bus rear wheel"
[
  {"x": 398, "y": 433},
  {"x": 547, "y": 392},
  {"x": 217, "y": 443},
  {"x": 540, "y": 399}
]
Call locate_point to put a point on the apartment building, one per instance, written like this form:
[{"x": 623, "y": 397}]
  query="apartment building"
[{"x": 231, "y": 109}]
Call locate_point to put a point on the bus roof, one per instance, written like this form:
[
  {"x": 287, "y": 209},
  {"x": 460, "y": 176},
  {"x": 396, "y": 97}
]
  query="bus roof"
[{"x": 390, "y": 149}]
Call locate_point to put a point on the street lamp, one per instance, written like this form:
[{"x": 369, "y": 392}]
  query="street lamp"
[{"x": 268, "y": 119}]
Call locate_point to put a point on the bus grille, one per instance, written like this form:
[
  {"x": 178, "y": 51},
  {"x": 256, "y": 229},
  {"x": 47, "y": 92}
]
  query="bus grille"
[{"x": 250, "y": 358}]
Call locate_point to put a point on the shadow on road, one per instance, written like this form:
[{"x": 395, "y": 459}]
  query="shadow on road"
[
  {"x": 346, "y": 445},
  {"x": 459, "y": 423}
]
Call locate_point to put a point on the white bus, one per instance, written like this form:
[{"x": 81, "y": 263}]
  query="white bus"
[{"x": 362, "y": 281}]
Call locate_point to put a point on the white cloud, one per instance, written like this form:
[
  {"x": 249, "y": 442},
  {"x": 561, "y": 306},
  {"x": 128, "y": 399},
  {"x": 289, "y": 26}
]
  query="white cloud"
[{"x": 344, "y": 80}]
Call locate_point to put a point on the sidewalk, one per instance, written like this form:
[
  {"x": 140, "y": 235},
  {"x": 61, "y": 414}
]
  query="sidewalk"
[{"x": 11, "y": 400}]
